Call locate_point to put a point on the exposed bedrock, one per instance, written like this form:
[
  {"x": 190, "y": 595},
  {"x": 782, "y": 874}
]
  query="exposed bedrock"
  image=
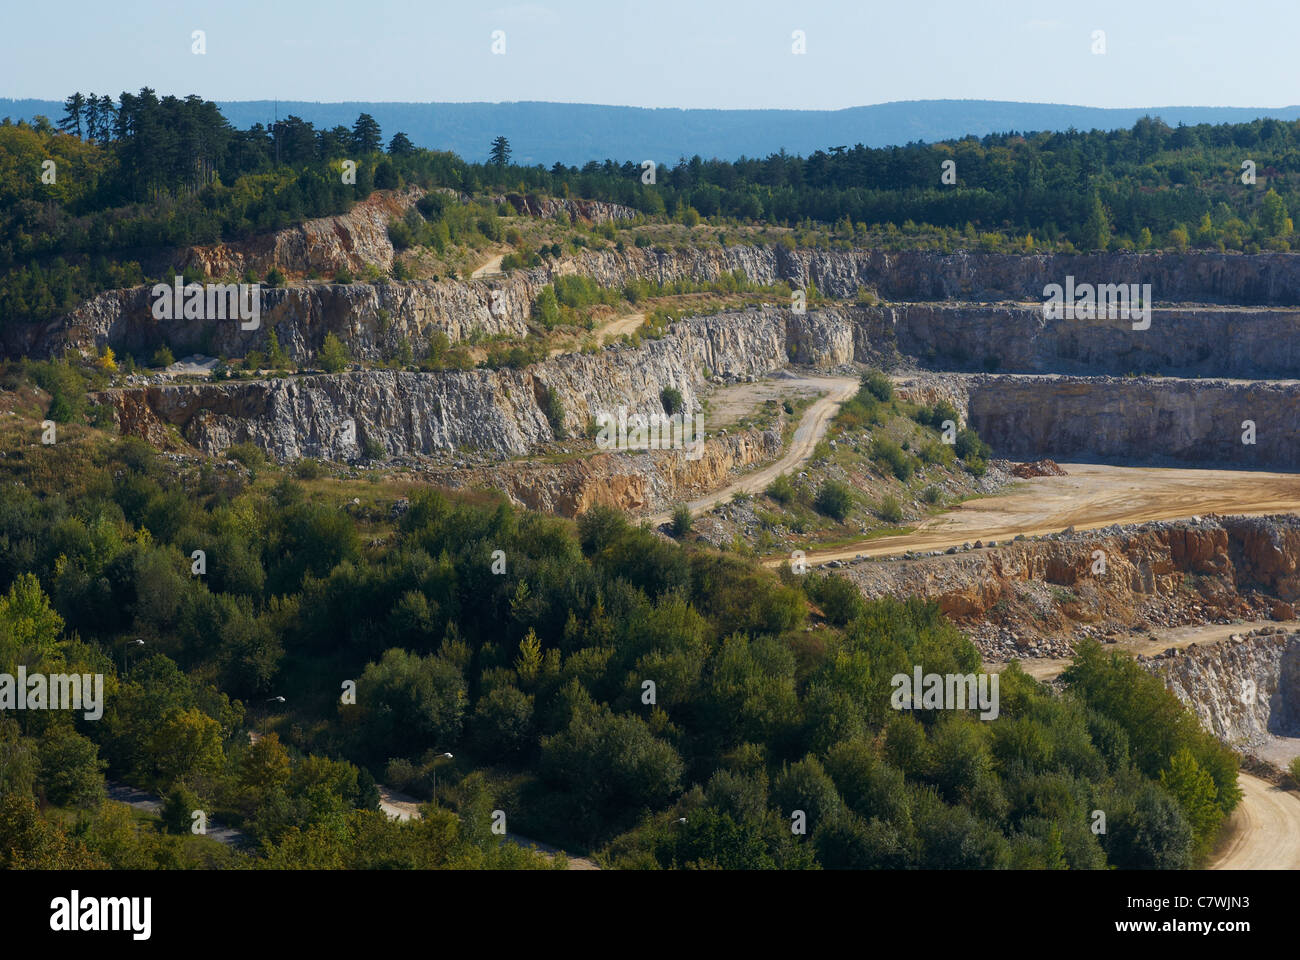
[
  {"x": 1221, "y": 342},
  {"x": 1051, "y": 583},
  {"x": 1205, "y": 341},
  {"x": 1244, "y": 690},
  {"x": 1139, "y": 420},
  {"x": 498, "y": 412},
  {"x": 634, "y": 480}
]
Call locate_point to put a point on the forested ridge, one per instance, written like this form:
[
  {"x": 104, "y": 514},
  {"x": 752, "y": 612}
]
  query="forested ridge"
[{"x": 143, "y": 173}]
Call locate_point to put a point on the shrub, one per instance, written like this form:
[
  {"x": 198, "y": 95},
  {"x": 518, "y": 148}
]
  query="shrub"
[
  {"x": 969, "y": 445},
  {"x": 308, "y": 469},
  {"x": 249, "y": 455},
  {"x": 681, "y": 520},
  {"x": 671, "y": 398},
  {"x": 781, "y": 489},
  {"x": 553, "y": 408},
  {"x": 878, "y": 385},
  {"x": 834, "y": 500},
  {"x": 890, "y": 455},
  {"x": 890, "y": 510},
  {"x": 1294, "y": 770},
  {"x": 162, "y": 357},
  {"x": 372, "y": 449},
  {"x": 932, "y": 495},
  {"x": 333, "y": 355}
]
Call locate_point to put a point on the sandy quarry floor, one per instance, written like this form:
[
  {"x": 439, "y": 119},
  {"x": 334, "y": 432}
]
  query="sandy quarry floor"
[{"x": 1091, "y": 496}]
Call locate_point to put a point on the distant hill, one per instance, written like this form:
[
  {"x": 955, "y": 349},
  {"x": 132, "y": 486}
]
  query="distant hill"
[{"x": 578, "y": 132}]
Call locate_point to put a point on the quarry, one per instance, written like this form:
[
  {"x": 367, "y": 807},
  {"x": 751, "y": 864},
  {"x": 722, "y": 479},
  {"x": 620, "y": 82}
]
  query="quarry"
[{"x": 1176, "y": 424}]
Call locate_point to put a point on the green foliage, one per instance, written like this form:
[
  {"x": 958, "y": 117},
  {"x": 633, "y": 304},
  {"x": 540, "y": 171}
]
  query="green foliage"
[
  {"x": 671, "y": 398},
  {"x": 781, "y": 489},
  {"x": 878, "y": 385},
  {"x": 681, "y": 520},
  {"x": 835, "y": 500},
  {"x": 891, "y": 458},
  {"x": 333, "y": 355},
  {"x": 890, "y": 510}
]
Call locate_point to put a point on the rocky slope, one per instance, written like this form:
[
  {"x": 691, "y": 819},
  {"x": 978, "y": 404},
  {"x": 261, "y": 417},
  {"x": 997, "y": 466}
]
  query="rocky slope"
[
  {"x": 497, "y": 412},
  {"x": 633, "y": 481},
  {"x": 1018, "y": 594},
  {"x": 1181, "y": 341}
]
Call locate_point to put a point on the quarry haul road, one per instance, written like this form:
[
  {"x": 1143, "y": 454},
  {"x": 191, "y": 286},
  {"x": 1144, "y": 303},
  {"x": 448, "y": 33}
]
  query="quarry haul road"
[
  {"x": 1264, "y": 831},
  {"x": 812, "y": 427},
  {"x": 490, "y": 269},
  {"x": 1091, "y": 496}
]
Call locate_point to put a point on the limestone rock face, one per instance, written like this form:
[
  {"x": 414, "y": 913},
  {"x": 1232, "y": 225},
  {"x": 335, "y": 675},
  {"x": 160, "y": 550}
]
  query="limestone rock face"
[
  {"x": 590, "y": 211},
  {"x": 649, "y": 480},
  {"x": 1144, "y": 563},
  {"x": 1181, "y": 341},
  {"x": 1148, "y": 420},
  {"x": 497, "y": 412},
  {"x": 348, "y": 241},
  {"x": 370, "y": 319},
  {"x": 1243, "y": 691}
]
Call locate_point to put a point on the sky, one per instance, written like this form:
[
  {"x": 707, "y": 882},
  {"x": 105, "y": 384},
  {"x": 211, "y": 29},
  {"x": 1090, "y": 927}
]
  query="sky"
[{"x": 665, "y": 53}]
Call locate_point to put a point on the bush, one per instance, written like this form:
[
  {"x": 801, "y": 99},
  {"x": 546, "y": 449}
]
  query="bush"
[
  {"x": 308, "y": 469},
  {"x": 890, "y": 455},
  {"x": 672, "y": 400},
  {"x": 834, "y": 500},
  {"x": 890, "y": 510},
  {"x": 681, "y": 523},
  {"x": 878, "y": 385},
  {"x": 781, "y": 489},
  {"x": 1294, "y": 770},
  {"x": 248, "y": 454},
  {"x": 333, "y": 355},
  {"x": 969, "y": 445},
  {"x": 372, "y": 449},
  {"x": 553, "y": 408},
  {"x": 162, "y": 357},
  {"x": 932, "y": 495}
]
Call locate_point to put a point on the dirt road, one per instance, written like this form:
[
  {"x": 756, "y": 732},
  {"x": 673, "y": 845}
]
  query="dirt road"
[
  {"x": 489, "y": 269},
  {"x": 1263, "y": 832},
  {"x": 399, "y": 806},
  {"x": 811, "y": 428},
  {"x": 1091, "y": 496}
]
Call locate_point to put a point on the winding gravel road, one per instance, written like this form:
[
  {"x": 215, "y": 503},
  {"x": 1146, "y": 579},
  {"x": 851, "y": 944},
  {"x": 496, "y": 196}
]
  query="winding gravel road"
[
  {"x": 812, "y": 427},
  {"x": 1264, "y": 831}
]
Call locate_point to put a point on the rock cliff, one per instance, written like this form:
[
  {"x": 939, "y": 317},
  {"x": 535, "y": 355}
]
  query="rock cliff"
[
  {"x": 1244, "y": 690},
  {"x": 1146, "y": 420},
  {"x": 498, "y": 412}
]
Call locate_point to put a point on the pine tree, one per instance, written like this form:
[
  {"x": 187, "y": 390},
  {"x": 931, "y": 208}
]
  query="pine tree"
[{"x": 500, "y": 152}]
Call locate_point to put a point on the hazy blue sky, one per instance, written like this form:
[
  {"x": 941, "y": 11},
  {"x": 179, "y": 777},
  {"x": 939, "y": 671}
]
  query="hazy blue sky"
[{"x": 666, "y": 53}]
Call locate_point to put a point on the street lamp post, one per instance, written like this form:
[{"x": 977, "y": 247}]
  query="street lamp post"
[
  {"x": 434, "y": 771},
  {"x": 129, "y": 644}
]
